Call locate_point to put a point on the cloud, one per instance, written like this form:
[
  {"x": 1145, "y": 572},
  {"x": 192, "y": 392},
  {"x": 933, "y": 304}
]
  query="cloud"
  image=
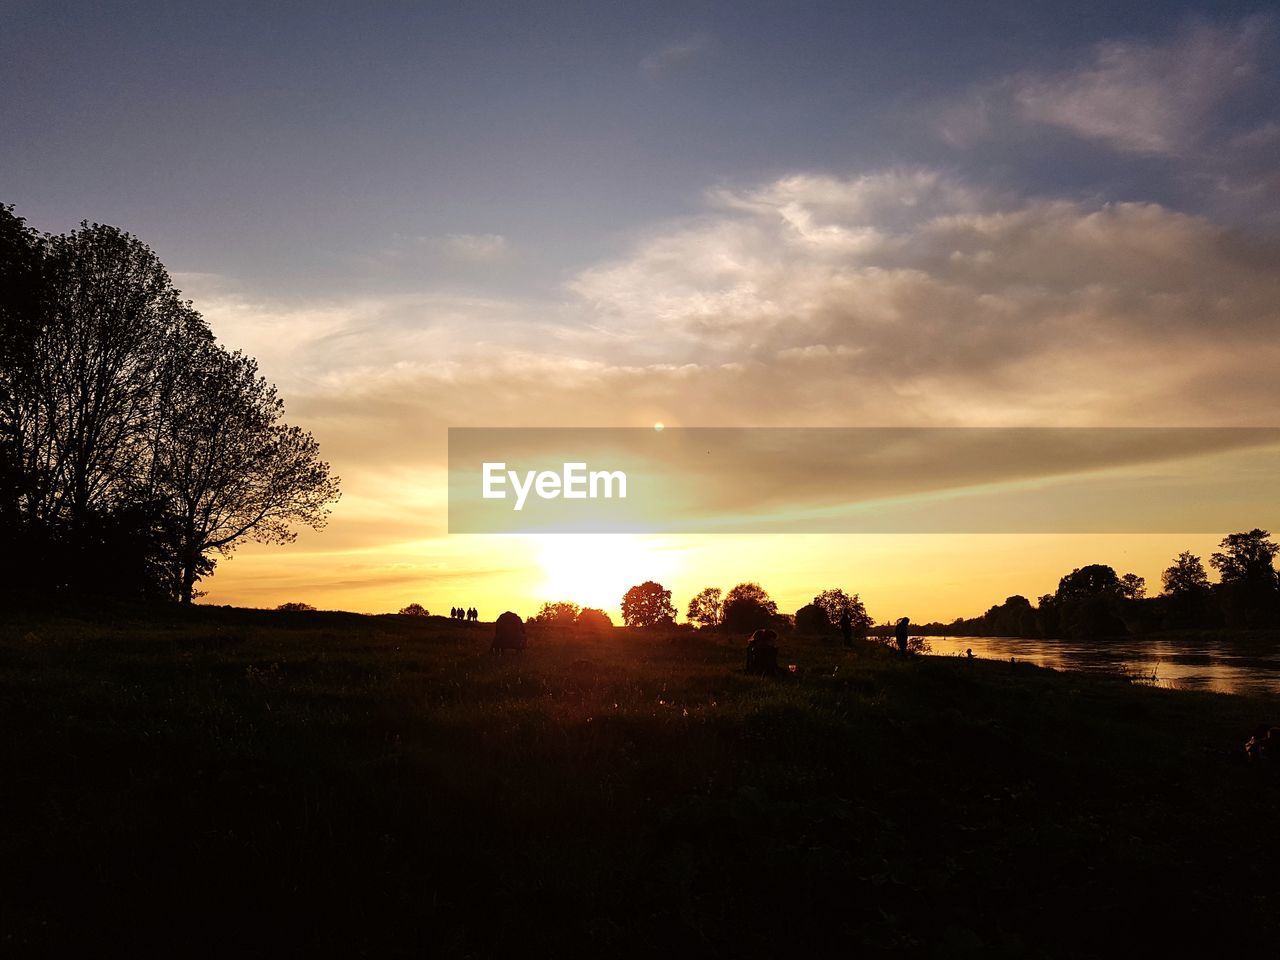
[
  {"x": 406, "y": 253},
  {"x": 674, "y": 56},
  {"x": 902, "y": 297},
  {"x": 1169, "y": 98},
  {"x": 917, "y": 286},
  {"x": 476, "y": 247},
  {"x": 1147, "y": 98}
]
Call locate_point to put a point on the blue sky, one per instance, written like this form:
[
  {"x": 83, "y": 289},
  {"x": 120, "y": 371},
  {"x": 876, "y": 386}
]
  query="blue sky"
[
  {"x": 280, "y": 143},
  {"x": 420, "y": 216}
]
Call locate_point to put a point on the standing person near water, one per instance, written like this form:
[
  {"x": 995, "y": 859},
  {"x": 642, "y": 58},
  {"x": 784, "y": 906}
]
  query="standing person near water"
[
  {"x": 846, "y": 627},
  {"x": 900, "y": 634}
]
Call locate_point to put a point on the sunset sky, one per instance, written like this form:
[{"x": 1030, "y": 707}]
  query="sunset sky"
[{"x": 423, "y": 216}]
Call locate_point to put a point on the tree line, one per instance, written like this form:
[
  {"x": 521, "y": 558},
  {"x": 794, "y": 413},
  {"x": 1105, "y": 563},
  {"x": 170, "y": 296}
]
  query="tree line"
[
  {"x": 134, "y": 449},
  {"x": 1093, "y": 601},
  {"x": 744, "y": 608},
  {"x": 1090, "y": 601}
]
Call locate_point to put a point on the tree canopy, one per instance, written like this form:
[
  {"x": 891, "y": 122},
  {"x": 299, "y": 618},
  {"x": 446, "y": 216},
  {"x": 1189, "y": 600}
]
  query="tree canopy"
[
  {"x": 705, "y": 609},
  {"x": 133, "y": 448},
  {"x": 1247, "y": 557},
  {"x": 835, "y": 604},
  {"x": 647, "y": 605},
  {"x": 748, "y": 607},
  {"x": 1186, "y": 575}
]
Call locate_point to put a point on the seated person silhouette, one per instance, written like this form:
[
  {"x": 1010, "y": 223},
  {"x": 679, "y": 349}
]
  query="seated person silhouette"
[
  {"x": 762, "y": 653},
  {"x": 1264, "y": 744}
]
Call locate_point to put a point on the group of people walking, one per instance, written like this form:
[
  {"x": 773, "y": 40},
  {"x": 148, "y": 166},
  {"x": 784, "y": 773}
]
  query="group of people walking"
[{"x": 468, "y": 614}]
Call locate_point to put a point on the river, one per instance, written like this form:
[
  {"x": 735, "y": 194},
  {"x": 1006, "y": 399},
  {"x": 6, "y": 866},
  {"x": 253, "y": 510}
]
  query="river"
[{"x": 1222, "y": 666}]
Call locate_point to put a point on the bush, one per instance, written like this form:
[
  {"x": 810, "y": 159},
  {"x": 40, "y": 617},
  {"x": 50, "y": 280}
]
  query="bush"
[
  {"x": 560, "y": 614},
  {"x": 591, "y": 620},
  {"x": 812, "y": 619}
]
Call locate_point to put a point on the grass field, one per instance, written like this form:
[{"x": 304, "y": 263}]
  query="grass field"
[{"x": 236, "y": 782}]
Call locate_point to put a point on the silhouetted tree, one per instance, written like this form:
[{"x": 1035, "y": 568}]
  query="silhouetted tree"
[
  {"x": 705, "y": 609},
  {"x": 131, "y": 447},
  {"x": 296, "y": 606},
  {"x": 1186, "y": 576},
  {"x": 560, "y": 614},
  {"x": 20, "y": 263},
  {"x": 1088, "y": 602},
  {"x": 1187, "y": 594},
  {"x": 747, "y": 607},
  {"x": 1246, "y": 566},
  {"x": 647, "y": 605},
  {"x": 812, "y": 619},
  {"x": 835, "y": 603},
  {"x": 229, "y": 468},
  {"x": 414, "y": 610},
  {"x": 1013, "y": 618},
  {"x": 593, "y": 620},
  {"x": 112, "y": 331},
  {"x": 1049, "y": 616},
  {"x": 1247, "y": 556},
  {"x": 1096, "y": 579},
  {"x": 1132, "y": 586}
]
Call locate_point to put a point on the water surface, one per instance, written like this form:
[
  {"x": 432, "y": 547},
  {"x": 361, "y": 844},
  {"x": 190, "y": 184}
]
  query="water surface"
[{"x": 1222, "y": 666}]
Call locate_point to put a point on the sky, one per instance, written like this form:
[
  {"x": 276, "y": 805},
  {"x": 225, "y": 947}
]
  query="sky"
[{"x": 419, "y": 216}]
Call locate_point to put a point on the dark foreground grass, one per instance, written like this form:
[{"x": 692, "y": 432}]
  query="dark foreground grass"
[{"x": 247, "y": 783}]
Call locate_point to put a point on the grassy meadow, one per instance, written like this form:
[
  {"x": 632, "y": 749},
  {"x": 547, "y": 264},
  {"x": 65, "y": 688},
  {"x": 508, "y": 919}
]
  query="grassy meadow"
[{"x": 245, "y": 783}]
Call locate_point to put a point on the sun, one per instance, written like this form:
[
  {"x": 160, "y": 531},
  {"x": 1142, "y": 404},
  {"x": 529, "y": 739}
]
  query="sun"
[{"x": 595, "y": 570}]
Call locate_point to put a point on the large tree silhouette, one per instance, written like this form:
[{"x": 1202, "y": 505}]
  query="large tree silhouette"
[
  {"x": 1247, "y": 557},
  {"x": 748, "y": 607},
  {"x": 1246, "y": 565},
  {"x": 705, "y": 608},
  {"x": 132, "y": 447},
  {"x": 647, "y": 605},
  {"x": 1186, "y": 575},
  {"x": 229, "y": 469},
  {"x": 835, "y": 603}
]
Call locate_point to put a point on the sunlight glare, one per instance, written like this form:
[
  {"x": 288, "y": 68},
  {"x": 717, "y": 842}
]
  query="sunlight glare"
[{"x": 595, "y": 570}]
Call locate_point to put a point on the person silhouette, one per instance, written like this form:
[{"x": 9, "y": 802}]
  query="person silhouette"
[
  {"x": 762, "y": 653},
  {"x": 900, "y": 634},
  {"x": 453, "y": 613},
  {"x": 846, "y": 628}
]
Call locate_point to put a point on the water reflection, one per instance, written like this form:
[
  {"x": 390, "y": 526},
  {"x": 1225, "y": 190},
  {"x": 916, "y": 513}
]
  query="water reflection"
[{"x": 1221, "y": 666}]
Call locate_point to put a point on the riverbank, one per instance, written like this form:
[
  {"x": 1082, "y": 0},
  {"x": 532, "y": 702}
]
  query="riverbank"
[
  {"x": 255, "y": 782},
  {"x": 1218, "y": 662}
]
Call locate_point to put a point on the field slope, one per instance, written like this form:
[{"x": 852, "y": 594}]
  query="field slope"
[{"x": 255, "y": 783}]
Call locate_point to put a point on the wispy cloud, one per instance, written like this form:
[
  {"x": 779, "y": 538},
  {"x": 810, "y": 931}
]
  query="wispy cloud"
[
  {"x": 1147, "y": 97},
  {"x": 1164, "y": 97},
  {"x": 478, "y": 247},
  {"x": 675, "y": 56},
  {"x": 408, "y": 251}
]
